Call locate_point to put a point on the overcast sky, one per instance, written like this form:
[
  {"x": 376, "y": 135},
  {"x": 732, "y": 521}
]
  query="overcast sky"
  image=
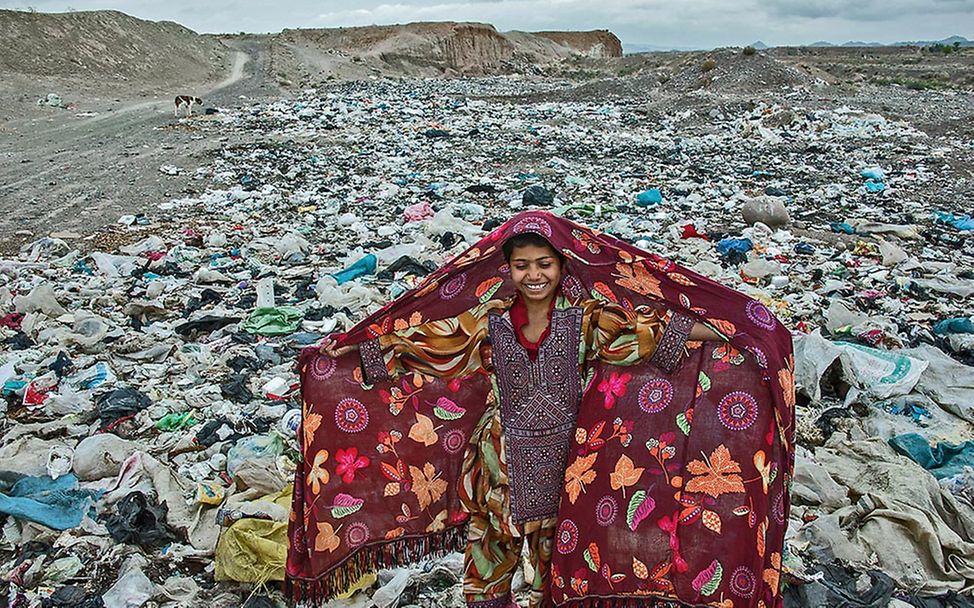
[{"x": 673, "y": 23}]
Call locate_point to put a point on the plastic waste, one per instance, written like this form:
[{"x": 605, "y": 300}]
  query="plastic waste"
[
  {"x": 366, "y": 265},
  {"x": 275, "y": 321},
  {"x": 960, "y": 222},
  {"x": 255, "y": 447},
  {"x": 653, "y": 196},
  {"x": 176, "y": 422},
  {"x": 418, "y": 212},
  {"x": 537, "y": 196},
  {"x": 875, "y": 174},
  {"x": 957, "y": 325},
  {"x": 133, "y": 588}
]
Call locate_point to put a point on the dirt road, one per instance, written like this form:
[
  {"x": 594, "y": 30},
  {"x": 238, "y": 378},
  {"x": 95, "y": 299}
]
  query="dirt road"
[{"x": 64, "y": 172}]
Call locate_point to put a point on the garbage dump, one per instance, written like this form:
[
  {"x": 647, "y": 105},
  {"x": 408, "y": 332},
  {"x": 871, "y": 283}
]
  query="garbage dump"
[{"x": 152, "y": 404}]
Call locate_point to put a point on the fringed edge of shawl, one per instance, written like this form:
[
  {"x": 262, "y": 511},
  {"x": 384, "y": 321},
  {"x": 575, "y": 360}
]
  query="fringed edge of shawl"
[
  {"x": 630, "y": 601},
  {"x": 397, "y": 552}
]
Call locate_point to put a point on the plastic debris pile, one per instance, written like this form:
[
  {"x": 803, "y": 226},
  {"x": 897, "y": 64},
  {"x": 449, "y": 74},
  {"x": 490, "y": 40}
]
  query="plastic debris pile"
[{"x": 151, "y": 402}]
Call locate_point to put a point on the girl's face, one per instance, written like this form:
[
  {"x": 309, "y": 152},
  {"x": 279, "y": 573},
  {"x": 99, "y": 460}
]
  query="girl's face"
[{"x": 536, "y": 272}]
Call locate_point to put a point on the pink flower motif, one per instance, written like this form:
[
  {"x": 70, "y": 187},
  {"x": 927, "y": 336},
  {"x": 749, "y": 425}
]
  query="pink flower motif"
[
  {"x": 348, "y": 462},
  {"x": 614, "y": 386}
]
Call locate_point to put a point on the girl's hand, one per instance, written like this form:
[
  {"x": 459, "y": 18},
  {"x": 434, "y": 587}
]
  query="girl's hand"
[{"x": 330, "y": 347}]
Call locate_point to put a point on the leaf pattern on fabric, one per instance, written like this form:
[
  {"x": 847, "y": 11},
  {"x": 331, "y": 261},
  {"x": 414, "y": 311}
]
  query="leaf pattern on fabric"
[
  {"x": 786, "y": 378},
  {"x": 601, "y": 291},
  {"x": 327, "y": 538},
  {"x": 416, "y": 318},
  {"x": 446, "y": 409},
  {"x": 707, "y": 581},
  {"x": 439, "y": 522},
  {"x": 578, "y": 475},
  {"x": 639, "y": 569},
  {"x": 681, "y": 279},
  {"x": 637, "y": 278},
  {"x": 764, "y": 468},
  {"x": 397, "y": 475},
  {"x": 344, "y": 505},
  {"x": 423, "y": 432},
  {"x": 592, "y": 557},
  {"x": 715, "y": 475},
  {"x": 640, "y": 507},
  {"x": 711, "y": 520},
  {"x": 726, "y": 328},
  {"x": 772, "y": 575},
  {"x": 318, "y": 476},
  {"x": 309, "y": 426},
  {"x": 625, "y": 474},
  {"x": 427, "y": 485}
]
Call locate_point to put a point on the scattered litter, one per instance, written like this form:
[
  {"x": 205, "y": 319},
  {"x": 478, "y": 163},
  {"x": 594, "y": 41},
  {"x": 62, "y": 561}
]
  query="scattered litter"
[{"x": 152, "y": 408}]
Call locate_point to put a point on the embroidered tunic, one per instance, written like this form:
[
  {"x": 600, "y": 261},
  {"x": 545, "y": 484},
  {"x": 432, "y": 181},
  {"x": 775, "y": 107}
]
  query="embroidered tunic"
[{"x": 535, "y": 401}]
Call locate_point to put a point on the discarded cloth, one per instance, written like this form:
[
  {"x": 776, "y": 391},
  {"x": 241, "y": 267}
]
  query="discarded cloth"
[
  {"x": 943, "y": 460},
  {"x": 919, "y": 533},
  {"x": 273, "y": 321},
  {"x": 56, "y": 503},
  {"x": 254, "y": 550}
]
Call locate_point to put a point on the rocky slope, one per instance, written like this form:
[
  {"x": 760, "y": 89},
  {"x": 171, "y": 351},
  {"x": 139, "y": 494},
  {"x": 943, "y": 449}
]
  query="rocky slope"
[
  {"x": 103, "y": 50},
  {"x": 430, "y": 50}
]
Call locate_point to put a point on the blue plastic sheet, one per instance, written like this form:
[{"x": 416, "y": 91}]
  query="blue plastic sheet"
[
  {"x": 876, "y": 174},
  {"x": 56, "y": 503},
  {"x": 649, "y": 197},
  {"x": 960, "y": 222},
  {"x": 364, "y": 266},
  {"x": 725, "y": 246},
  {"x": 957, "y": 325}
]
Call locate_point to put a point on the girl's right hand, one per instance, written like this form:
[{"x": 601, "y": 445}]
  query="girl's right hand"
[{"x": 330, "y": 347}]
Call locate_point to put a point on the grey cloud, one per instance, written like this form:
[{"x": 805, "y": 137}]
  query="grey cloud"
[{"x": 867, "y": 10}]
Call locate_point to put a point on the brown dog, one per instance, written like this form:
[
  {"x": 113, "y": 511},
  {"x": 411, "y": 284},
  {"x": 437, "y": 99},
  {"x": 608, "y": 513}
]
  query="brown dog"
[{"x": 188, "y": 101}]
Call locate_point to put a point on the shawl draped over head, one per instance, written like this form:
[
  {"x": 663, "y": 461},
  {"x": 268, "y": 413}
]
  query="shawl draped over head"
[{"x": 677, "y": 484}]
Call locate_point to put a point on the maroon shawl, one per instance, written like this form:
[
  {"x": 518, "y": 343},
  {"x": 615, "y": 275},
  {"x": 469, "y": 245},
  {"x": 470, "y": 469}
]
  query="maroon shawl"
[{"x": 678, "y": 484}]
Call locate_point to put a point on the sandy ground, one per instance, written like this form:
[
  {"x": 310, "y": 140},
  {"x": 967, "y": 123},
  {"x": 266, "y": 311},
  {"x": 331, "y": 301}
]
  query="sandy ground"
[{"x": 65, "y": 173}]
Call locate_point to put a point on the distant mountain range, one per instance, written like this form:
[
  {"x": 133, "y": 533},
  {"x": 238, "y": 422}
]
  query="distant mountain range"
[
  {"x": 859, "y": 43},
  {"x": 630, "y": 48}
]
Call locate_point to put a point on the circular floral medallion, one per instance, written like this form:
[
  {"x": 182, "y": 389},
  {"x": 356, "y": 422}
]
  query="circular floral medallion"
[
  {"x": 737, "y": 411},
  {"x": 454, "y": 441},
  {"x": 606, "y": 511},
  {"x": 759, "y": 314},
  {"x": 453, "y": 287},
  {"x": 357, "y": 534},
  {"x": 778, "y": 507},
  {"x": 567, "y": 538},
  {"x": 351, "y": 416},
  {"x": 742, "y": 582},
  {"x": 655, "y": 395},
  {"x": 323, "y": 367},
  {"x": 533, "y": 224}
]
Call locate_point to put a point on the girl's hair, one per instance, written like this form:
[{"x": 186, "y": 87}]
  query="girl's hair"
[{"x": 527, "y": 239}]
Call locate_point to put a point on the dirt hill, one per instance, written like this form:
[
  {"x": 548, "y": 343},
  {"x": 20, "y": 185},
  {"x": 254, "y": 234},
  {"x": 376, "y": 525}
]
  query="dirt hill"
[
  {"x": 429, "y": 50},
  {"x": 103, "y": 50}
]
